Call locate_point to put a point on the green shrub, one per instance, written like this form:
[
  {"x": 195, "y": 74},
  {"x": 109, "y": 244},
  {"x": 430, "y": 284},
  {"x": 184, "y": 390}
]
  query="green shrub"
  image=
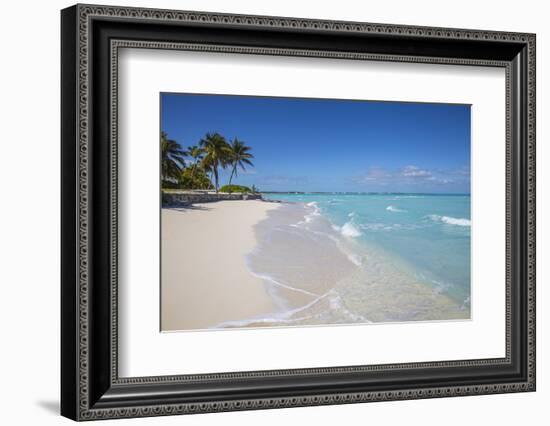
[
  {"x": 235, "y": 188},
  {"x": 167, "y": 184},
  {"x": 196, "y": 179}
]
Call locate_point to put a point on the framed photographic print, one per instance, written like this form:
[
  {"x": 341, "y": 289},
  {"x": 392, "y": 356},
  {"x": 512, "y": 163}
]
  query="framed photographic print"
[{"x": 265, "y": 212}]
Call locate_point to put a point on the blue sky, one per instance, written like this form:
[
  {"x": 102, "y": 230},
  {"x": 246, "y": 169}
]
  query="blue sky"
[{"x": 332, "y": 145}]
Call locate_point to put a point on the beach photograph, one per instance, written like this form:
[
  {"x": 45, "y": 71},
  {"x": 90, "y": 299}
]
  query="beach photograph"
[{"x": 300, "y": 212}]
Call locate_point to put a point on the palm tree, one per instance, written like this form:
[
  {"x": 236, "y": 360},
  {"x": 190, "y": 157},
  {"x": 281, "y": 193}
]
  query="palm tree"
[
  {"x": 217, "y": 153},
  {"x": 172, "y": 157},
  {"x": 197, "y": 153},
  {"x": 207, "y": 169},
  {"x": 240, "y": 156}
]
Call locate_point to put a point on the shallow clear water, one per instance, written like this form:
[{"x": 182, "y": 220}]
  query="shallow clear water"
[{"x": 429, "y": 233}]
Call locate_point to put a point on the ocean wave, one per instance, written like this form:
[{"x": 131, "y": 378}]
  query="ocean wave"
[
  {"x": 349, "y": 229},
  {"x": 379, "y": 226},
  {"x": 308, "y": 218},
  {"x": 450, "y": 220},
  {"x": 395, "y": 209},
  {"x": 376, "y": 227},
  {"x": 354, "y": 258}
]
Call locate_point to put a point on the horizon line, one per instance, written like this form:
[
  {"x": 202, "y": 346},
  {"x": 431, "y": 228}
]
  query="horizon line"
[{"x": 365, "y": 192}]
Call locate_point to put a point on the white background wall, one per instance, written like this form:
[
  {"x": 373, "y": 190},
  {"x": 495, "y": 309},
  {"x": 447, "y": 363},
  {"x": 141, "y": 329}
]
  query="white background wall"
[{"x": 29, "y": 211}]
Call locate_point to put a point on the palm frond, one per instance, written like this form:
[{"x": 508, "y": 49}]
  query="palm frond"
[
  {"x": 216, "y": 153},
  {"x": 172, "y": 157}
]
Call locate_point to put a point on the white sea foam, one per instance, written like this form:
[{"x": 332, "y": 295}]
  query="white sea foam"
[
  {"x": 380, "y": 226},
  {"x": 465, "y": 304},
  {"x": 273, "y": 281},
  {"x": 284, "y": 317},
  {"x": 316, "y": 211},
  {"x": 450, "y": 220},
  {"x": 288, "y": 317},
  {"x": 310, "y": 216},
  {"x": 337, "y": 304},
  {"x": 355, "y": 259},
  {"x": 274, "y": 319},
  {"x": 350, "y": 230},
  {"x": 395, "y": 209},
  {"x": 391, "y": 226},
  {"x": 440, "y": 286}
]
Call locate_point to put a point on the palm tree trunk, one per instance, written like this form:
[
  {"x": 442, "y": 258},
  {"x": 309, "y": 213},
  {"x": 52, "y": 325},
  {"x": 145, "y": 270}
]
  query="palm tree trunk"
[
  {"x": 216, "y": 177},
  {"x": 232, "y": 172}
]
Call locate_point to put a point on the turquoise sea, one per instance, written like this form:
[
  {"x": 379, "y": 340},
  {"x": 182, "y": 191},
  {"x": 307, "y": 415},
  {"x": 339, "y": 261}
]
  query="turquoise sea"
[{"x": 429, "y": 233}]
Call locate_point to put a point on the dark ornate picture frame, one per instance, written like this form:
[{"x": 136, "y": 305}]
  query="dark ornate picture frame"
[{"x": 90, "y": 38}]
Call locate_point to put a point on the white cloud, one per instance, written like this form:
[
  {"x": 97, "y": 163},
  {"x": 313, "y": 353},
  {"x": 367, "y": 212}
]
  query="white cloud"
[
  {"x": 415, "y": 172},
  {"x": 440, "y": 180},
  {"x": 374, "y": 175},
  {"x": 412, "y": 176},
  {"x": 279, "y": 180}
]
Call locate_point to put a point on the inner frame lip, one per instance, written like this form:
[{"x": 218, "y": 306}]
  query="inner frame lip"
[{"x": 115, "y": 45}]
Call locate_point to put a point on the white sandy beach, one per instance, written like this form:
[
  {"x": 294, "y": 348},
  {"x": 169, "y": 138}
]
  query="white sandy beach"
[{"x": 204, "y": 276}]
